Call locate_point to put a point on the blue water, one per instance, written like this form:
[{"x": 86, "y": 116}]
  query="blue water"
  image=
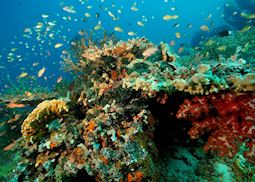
[{"x": 16, "y": 15}]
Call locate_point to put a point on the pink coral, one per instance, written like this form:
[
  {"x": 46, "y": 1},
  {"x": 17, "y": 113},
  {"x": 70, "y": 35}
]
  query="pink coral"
[{"x": 228, "y": 118}]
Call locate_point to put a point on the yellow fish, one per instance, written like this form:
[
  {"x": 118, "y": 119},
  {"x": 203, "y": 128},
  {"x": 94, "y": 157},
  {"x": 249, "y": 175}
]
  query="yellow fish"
[
  {"x": 98, "y": 26},
  {"x": 170, "y": 17},
  {"x": 139, "y": 23},
  {"x": 58, "y": 45},
  {"x": 112, "y": 16},
  {"x": 205, "y": 28},
  {"x": 118, "y": 29},
  {"x": 178, "y": 35},
  {"x": 35, "y": 64},
  {"x": 134, "y": 8},
  {"x": 28, "y": 94},
  {"x": 246, "y": 28},
  {"x": 41, "y": 72},
  {"x": 23, "y": 74},
  {"x": 131, "y": 33},
  {"x": 222, "y": 48},
  {"x": 87, "y": 15},
  {"x": 248, "y": 16}
]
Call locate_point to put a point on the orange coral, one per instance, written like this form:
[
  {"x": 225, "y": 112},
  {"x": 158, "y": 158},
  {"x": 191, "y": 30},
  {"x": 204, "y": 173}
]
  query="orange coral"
[{"x": 91, "y": 125}]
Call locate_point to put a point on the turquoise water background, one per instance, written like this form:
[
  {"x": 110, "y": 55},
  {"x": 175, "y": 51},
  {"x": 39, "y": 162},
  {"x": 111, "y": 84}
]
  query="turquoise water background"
[{"x": 18, "y": 15}]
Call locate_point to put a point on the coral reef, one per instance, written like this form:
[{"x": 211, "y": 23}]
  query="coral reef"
[{"x": 106, "y": 126}]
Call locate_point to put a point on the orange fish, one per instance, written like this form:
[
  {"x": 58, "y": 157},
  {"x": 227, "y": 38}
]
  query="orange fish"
[
  {"x": 10, "y": 146},
  {"x": 59, "y": 79},
  {"x": 15, "y": 105},
  {"x": 180, "y": 50},
  {"x": 28, "y": 94},
  {"x": 16, "y": 117},
  {"x": 172, "y": 43}
]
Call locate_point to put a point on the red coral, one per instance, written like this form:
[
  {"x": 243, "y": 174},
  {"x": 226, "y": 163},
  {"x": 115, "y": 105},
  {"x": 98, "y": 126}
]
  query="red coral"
[{"x": 228, "y": 118}]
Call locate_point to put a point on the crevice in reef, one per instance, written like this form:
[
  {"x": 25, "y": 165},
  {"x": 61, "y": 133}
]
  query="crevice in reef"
[{"x": 169, "y": 129}]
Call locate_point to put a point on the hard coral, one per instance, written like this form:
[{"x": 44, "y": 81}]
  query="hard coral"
[
  {"x": 228, "y": 118},
  {"x": 46, "y": 111}
]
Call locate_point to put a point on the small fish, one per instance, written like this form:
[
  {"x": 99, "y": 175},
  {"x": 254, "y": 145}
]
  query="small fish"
[
  {"x": 39, "y": 25},
  {"x": 210, "y": 42},
  {"x": 222, "y": 48},
  {"x": 140, "y": 23},
  {"x": 41, "y": 72},
  {"x": 28, "y": 30},
  {"x": 87, "y": 15},
  {"x": 23, "y": 74},
  {"x": 209, "y": 17},
  {"x": 35, "y": 64},
  {"x": 16, "y": 117},
  {"x": 44, "y": 16},
  {"x": 98, "y": 26},
  {"x": 28, "y": 94},
  {"x": 149, "y": 52},
  {"x": 204, "y": 28},
  {"x": 12, "y": 105},
  {"x": 69, "y": 9},
  {"x": 247, "y": 15},
  {"x": 180, "y": 50},
  {"x": 176, "y": 25},
  {"x": 170, "y": 17},
  {"x": 172, "y": 43},
  {"x": 59, "y": 79},
  {"x": 118, "y": 29},
  {"x": 58, "y": 45},
  {"x": 134, "y": 8},
  {"x": 81, "y": 33},
  {"x": 51, "y": 24},
  {"x": 111, "y": 15},
  {"x": 131, "y": 33},
  {"x": 246, "y": 28},
  {"x": 10, "y": 146},
  {"x": 235, "y": 13},
  {"x": 2, "y": 133},
  {"x": 178, "y": 35}
]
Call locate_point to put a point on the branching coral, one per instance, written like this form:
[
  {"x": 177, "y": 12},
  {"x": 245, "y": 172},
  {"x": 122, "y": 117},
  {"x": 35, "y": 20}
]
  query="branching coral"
[{"x": 228, "y": 118}]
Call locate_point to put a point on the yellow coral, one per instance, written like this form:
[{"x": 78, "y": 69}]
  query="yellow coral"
[
  {"x": 43, "y": 113},
  {"x": 244, "y": 83}
]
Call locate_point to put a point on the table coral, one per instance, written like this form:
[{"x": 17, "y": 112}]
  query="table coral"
[{"x": 228, "y": 119}]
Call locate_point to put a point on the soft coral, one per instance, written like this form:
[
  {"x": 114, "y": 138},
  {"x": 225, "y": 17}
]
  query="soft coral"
[{"x": 228, "y": 118}]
